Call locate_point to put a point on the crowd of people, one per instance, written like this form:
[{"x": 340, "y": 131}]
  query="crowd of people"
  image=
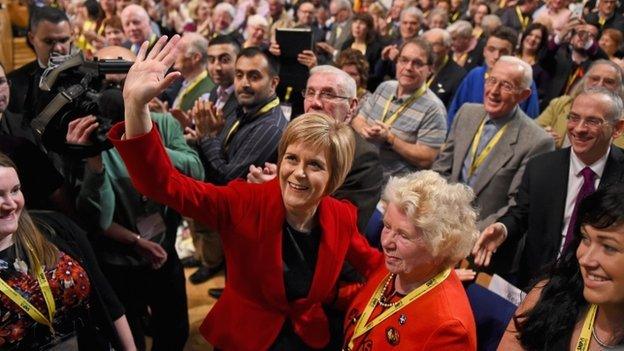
[{"x": 340, "y": 188}]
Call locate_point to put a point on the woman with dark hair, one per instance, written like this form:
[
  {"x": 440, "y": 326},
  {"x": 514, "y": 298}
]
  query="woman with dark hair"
[
  {"x": 533, "y": 44},
  {"x": 580, "y": 305},
  {"x": 481, "y": 10},
  {"x": 355, "y": 64},
  {"x": 52, "y": 293},
  {"x": 364, "y": 38}
]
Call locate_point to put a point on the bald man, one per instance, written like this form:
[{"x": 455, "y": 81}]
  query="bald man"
[
  {"x": 136, "y": 249},
  {"x": 136, "y": 25}
]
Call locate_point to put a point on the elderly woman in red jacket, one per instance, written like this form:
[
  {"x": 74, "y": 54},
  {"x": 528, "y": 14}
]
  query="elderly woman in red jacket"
[
  {"x": 417, "y": 302},
  {"x": 285, "y": 240}
]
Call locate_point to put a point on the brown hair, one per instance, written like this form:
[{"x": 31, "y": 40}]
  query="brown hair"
[
  {"x": 28, "y": 238},
  {"x": 321, "y": 132},
  {"x": 354, "y": 57}
]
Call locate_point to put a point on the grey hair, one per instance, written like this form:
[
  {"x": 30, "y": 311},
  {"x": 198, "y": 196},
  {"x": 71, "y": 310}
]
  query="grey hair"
[
  {"x": 461, "y": 28},
  {"x": 527, "y": 71},
  {"x": 438, "y": 12},
  {"x": 413, "y": 11},
  {"x": 197, "y": 44},
  {"x": 616, "y": 67},
  {"x": 614, "y": 112},
  {"x": 258, "y": 20},
  {"x": 446, "y": 36},
  {"x": 343, "y": 5},
  {"x": 348, "y": 85},
  {"x": 490, "y": 22},
  {"x": 442, "y": 211},
  {"x": 225, "y": 7}
]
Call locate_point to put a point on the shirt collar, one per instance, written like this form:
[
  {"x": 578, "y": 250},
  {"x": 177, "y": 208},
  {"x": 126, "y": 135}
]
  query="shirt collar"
[
  {"x": 501, "y": 121},
  {"x": 576, "y": 165}
]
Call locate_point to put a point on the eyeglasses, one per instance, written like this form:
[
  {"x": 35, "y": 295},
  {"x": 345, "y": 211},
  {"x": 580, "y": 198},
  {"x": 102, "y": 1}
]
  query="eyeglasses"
[
  {"x": 402, "y": 60},
  {"x": 592, "y": 122},
  {"x": 504, "y": 85},
  {"x": 323, "y": 95}
]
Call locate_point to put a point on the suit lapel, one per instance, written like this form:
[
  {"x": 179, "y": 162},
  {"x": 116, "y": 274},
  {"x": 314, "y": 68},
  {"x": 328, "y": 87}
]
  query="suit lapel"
[
  {"x": 614, "y": 169},
  {"x": 501, "y": 153},
  {"x": 463, "y": 139}
]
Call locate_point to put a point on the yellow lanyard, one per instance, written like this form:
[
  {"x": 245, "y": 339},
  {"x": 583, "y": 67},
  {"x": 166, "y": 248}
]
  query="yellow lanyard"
[
  {"x": 438, "y": 71},
  {"x": 363, "y": 326},
  {"x": 461, "y": 60},
  {"x": 389, "y": 121},
  {"x": 27, "y": 306},
  {"x": 602, "y": 21},
  {"x": 266, "y": 108},
  {"x": 195, "y": 82},
  {"x": 585, "y": 339},
  {"x": 524, "y": 21},
  {"x": 455, "y": 16},
  {"x": 502, "y": 4},
  {"x": 477, "y": 160}
]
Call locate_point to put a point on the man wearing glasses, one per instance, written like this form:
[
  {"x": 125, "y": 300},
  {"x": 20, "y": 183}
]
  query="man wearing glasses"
[
  {"x": 544, "y": 210},
  {"x": 50, "y": 34},
  {"x": 490, "y": 143},
  {"x": 405, "y": 119},
  {"x": 501, "y": 42}
]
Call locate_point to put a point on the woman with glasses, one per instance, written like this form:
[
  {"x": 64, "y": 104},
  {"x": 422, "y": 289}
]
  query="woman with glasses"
[{"x": 580, "y": 305}]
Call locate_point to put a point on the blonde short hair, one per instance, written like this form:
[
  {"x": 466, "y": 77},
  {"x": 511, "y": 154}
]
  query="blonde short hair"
[
  {"x": 442, "y": 211},
  {"x": 322, "y": 132}
]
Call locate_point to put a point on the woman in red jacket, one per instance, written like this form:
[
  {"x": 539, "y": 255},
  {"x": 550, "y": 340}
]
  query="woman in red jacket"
[
  {"x": 417, "y": 302},
  {"x": 285, "y": 240}
]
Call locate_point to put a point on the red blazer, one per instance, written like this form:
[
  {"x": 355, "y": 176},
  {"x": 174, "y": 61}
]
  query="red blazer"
[
  {"x": 441, "y": 319},
  {"x": 250, "y": 217}
]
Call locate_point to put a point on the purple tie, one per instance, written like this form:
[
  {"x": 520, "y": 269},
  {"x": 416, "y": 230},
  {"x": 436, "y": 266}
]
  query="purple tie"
[{"x": 586, "y": 189}]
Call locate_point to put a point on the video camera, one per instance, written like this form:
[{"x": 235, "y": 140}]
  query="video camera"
[{"x": 76, "y": 88}]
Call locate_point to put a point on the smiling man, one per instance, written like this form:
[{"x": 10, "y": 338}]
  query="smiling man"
[
  {"x": 553, "y": 184},
  {"x": 489, "y": 144},
  {"x": 403, "y": 117}
]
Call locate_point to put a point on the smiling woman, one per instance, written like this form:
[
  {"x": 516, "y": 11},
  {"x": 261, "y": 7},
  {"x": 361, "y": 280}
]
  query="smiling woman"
[
  {"x": 285, "y": 240},
  {"x": 429, "y": 225},
  {"x": 580, "y": 304}
]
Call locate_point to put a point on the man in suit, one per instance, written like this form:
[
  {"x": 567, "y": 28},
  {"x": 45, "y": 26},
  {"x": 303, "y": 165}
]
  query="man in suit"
[
  {"x": 341, "y": 28},
  {"x": 446, "y": 74},
  {"x": 606, "y": 16},
  {"x": 191, "y": 63},
  {"x": 552, "y": 185},
  {"x": 222, "y": 53},
  {"x": 520, "y": 16},
  {"x": 490, "y": 143},
  {"x": 50, "y": 34},
  {"x": 136, "y": 26}
]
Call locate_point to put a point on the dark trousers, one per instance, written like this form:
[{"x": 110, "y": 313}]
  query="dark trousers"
[{"x": 163, "y": 292}]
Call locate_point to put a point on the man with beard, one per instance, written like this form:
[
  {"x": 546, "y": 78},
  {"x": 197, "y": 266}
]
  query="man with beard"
[{"x": 569, "y": 56}]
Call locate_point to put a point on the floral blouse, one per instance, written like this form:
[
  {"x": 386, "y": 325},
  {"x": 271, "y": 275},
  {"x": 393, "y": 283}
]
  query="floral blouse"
[{"x": 70, "y": 287}]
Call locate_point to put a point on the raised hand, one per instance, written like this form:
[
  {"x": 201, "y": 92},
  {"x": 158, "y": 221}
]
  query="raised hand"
[
  {"x": 489, "y": 240},
  {"x": 307, "y": 58},
  {"x": 209, "y": 120},
  {"x": 259, "y": 175},
  {"x": 148, "y": 78},
  {"x": 184, "y": 118}
]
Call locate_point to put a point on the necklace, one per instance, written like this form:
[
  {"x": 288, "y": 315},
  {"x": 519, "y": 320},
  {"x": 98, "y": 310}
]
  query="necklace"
[
  {"x": 601, "y": 342},
  {"x": 383, "y": 299}
]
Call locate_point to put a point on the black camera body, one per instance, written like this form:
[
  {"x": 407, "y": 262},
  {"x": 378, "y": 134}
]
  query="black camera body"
[{"x": 77, "y": 88}]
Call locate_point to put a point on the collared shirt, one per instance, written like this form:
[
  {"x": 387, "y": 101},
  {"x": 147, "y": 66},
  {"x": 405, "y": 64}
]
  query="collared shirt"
[
  {"x": 223, "y": 95},
  {"x": 575, "y": 182},
  {"x": 424, "y": 121},
  {"x": 492, "y": 126}
]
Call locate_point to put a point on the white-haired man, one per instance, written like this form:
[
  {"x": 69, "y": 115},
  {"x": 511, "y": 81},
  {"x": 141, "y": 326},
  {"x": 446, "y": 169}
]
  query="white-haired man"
[
  {"x": 446, "y": 74},
  {"x": 490, "y": 143},
  {"x": 191, "y": 62},
  {"x": 332, "y": 91}
]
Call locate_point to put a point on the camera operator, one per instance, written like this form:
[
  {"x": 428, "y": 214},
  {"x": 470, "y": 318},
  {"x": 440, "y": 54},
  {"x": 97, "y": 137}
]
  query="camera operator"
[
  {"x": 136, "y": 249},
  {"x": 49, "y": 34}
]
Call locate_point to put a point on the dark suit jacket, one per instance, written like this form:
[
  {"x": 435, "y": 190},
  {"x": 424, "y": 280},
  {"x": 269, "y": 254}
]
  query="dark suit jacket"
[
  {"x": 25, "y": 89},
  {"x": 447, "y": 80},
  {"x": 499, "y": 177},
  {"x": 362, "y": 186},
  {"x": 616, "y": 21},
  {"x": 539, "y": 208}
]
